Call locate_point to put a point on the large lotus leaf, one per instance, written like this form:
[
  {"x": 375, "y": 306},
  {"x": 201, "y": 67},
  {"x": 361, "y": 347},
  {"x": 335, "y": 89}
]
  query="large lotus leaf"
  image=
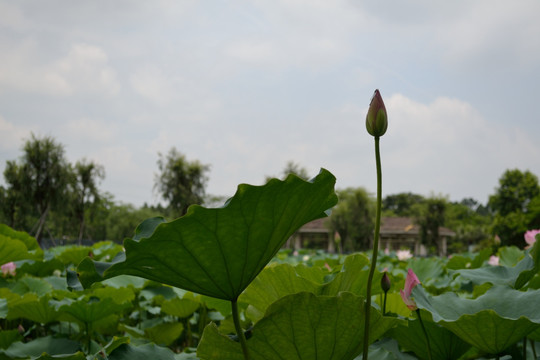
[
  {"x": 3, "y": 308},
  {"x": 509, "y": 255},
  {"x": 29, "y": 241},
  {"x": 143, "y": 352},
  {"x": 218, "y": 252},
  {"x": 70, "y": 254},
  {"x": 77, "y": 356},
  {"x": 17, "y": 245},
  {"x": 164, "y": 333},
  {"x": 394, "y": 304},
  {"x": 273, "y": 283},
  {"x": 39, "y": 347},
  {"x": 445, "y": 345},
  {"x": 387, "y": 349},
  {"x": 28, "y": 284},
  {"x": 516, "y": 276},
  {"x": 88, "y": 310},
  {"x": 8, "y": 337},
  {"x": 491, "y": 322},
  {"x": 34, "y": 309},
  {"x": 353, "y": 278},
  {"x": 181, "y": 308},
  {"x": 303, "y": 326}
]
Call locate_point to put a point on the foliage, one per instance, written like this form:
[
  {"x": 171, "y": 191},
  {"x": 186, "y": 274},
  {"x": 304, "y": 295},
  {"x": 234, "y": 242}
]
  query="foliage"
[
  {"x": 180, "y": 182},
  {"x": 516, "y": 192},
  {"x": 401, "y": 204},
  {"x": 353, "y": 219},
  {"x": 85, "y": 191},
  {"x": 430, "y": 215}
]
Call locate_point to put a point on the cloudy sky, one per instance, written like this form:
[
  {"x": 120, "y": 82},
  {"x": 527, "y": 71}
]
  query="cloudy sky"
[{"x": 246, "y": 86}]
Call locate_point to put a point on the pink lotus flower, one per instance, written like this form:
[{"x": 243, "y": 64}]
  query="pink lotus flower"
[
  {"x": 493, "y": 260},
  {"x": 410, "y": 283},
  {"x": 530, "y": 237},
  {"x": 9, "y": 269}
]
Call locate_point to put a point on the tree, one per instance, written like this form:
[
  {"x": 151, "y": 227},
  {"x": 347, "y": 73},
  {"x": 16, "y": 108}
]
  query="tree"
[
  {"x": 470, "y": 221},
  {"x": 430, "y": 215},
  {"x": 292, "y": 168},
  {"x": 40, "y": 178},
  {"x": 353, "y": 219},
  {"x": 180, "y": 182},
  {"x": 513, "y": 204},
  {"x": 86, "y": 176},
  {"x": 14, "y": 203},
  {"x": 401, "y": 204}
]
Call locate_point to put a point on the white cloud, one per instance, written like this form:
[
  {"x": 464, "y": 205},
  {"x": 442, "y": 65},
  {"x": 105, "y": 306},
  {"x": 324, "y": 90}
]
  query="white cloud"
[
  {"x": 11, "y": 135},
  {"x": 91, "y": 130},
  {"x": 84, "y": 69},
  {"x": 447, "y": 146}
]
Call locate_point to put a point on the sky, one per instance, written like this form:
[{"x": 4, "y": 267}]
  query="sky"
[{"x": 247, "y": 86}]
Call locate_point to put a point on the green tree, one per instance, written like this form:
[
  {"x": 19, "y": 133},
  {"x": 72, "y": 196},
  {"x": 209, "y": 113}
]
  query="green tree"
[
  {"x": 15, "y": 206},
  {"x": 470, "y": 221},
  {"x": 353, "y": 219},
  {"x": 514, "y": 204},
  {"x": 180, "y": 182},
  {"x": 85, "y": 192},
  {"x": 430, "y": 216},
  {"x": 400, "y": 204},
  {"x": 292, "y": 168},
  {"x": 40, "y": 178}
]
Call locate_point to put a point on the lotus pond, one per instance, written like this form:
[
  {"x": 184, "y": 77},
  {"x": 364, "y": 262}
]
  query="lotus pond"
[{"x": 214, "y": 284}]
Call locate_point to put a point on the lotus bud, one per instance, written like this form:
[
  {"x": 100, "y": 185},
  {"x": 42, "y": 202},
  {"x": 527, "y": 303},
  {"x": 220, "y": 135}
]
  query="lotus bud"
[
  {"x": 376, "y": 119},
  {"x": 385, "y": 282}
]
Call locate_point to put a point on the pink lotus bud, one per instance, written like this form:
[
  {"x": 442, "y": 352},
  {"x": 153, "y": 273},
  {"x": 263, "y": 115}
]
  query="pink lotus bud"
[
  {"x": 9, "y": 269},
  {"x": 493, "y": 260},
  {"x": 376, "y": 119},
  {"x": 410, "y": 283},
  {"x": 530, "y": 237},
  {"x": 385, "y": 282}
]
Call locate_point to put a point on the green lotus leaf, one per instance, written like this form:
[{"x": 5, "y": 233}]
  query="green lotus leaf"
[
  {"x": 17, "y": 245},
  {"x": 77, "y": 356},
  {"x": 218, "y": 252},
  {"x": 445, "y": 345},
  {"x": 88, "y": 310},
  {"x": 516, "y": 276},
  {"x": 509, "y": 255},
  {"x": 302, "y": 326},
  {"x": 41, "y": 347},
  {"x": 31, "y": 284},
  {"x": 181, "y": 308},
  {"x": 3, "y": 308},
  {"x": 353, "y": 278},
  {"x": 273, "y": 283},
  {"x": 34, "y": 309},
  {"x": 492, "y": 322},
  {"x": 164, "y": 333},
  {"x": 8, "y": 337},
  {"x": 387, "y": 349},
  {"x": 142, "y": 352}
]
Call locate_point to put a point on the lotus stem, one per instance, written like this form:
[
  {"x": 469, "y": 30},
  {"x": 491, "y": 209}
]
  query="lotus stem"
[
  {"x": 375, "y": 248},
  {"x": 238, "y": 327},
  {"x": 525, "y": 348},
  {"x": 533, "y": 348},
  {"x": 425, "y": 333}
]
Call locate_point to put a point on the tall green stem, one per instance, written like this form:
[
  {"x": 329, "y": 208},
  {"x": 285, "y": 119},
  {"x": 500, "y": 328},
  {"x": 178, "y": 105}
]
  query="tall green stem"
[
  {"x": 375, "y": 248},
  {"x": 238, "y": 327}
]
